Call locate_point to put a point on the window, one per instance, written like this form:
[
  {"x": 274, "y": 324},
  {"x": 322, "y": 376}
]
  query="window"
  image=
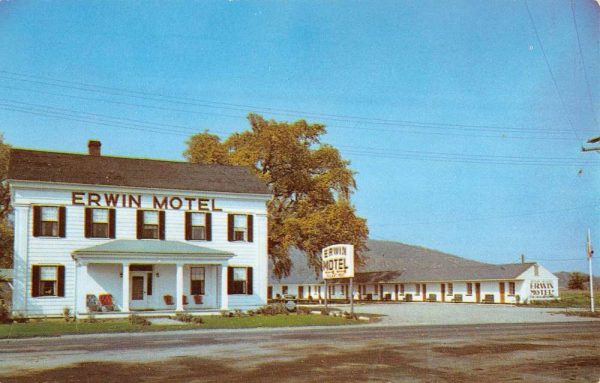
[
  {"x": 240, "y": 227},
  {"x": 450, "y": 289},
  {"x": 48, "y": 281},
  {"x": 284, "y": 290},
  {"x": 240, "y": 280},
  {"x": 151, "y": 224},
  {"x": 469, "y": 288},
  {"x": 99, "y": 223},
  {"x": 417, "y": 289},
  {"x": 49, "y": 221},
  {"x": 198, "y": 226},
  {"x": 197, "y": 281},
  {"x": 511, "y": 288}
]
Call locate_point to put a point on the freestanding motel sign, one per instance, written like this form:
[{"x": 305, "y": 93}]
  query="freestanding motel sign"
[{"x": 338, "y": 262}]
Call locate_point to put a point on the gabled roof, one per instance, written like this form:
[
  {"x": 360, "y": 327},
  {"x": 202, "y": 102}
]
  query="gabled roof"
[
  {"x": 388, "y": 261},
  {"x": 33, "y": 165},
  {"x": 154, "y": 247}
]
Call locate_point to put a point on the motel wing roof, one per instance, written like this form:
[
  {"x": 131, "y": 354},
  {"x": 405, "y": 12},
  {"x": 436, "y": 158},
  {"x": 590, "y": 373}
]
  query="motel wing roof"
[
  {"x": 388, "y": 261},
  {"x": 33, "y": 165}
]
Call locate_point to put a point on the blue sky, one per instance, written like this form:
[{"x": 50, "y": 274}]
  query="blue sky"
[{"x": 464, "y": 119}]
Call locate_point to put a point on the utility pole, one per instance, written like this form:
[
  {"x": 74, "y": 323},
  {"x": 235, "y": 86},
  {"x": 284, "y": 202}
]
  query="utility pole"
[{"x": 590, "y": 251}]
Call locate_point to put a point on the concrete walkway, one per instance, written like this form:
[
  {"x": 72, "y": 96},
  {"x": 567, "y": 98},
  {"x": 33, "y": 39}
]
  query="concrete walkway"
[{"x": 415, "y": 313}]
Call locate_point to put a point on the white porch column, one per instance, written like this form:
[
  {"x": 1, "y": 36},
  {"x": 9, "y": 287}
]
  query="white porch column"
[
  {"x": 223, "y": 279},
  {"x": 125, "y": 304},
  {"x": 179, "y": 298},
  {"x": 81, "y": 274}
]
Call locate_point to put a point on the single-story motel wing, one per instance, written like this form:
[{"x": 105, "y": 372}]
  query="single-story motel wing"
[
  {"x": 116, "y": 235},
  {"x": 394, "y": 271}
]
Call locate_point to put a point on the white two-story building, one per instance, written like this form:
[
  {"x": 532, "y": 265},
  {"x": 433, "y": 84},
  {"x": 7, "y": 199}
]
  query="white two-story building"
[{"x": 96, "y": 233}]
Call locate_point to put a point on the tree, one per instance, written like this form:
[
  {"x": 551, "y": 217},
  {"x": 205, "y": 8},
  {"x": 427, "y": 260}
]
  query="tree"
[
  {"x": 6, "y": 231},
  {"x": 576, "y": 281},
  {"x": 310, "y": 182}
]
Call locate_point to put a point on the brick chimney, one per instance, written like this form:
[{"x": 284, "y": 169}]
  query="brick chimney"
[{"x": 94, "y": 148}]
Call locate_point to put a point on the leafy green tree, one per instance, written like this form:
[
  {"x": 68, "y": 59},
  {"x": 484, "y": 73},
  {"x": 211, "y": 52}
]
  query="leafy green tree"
[
  {"x": 576, "y": 281},
  {"x": 6, "y": 231},
  {"x": 311, "y": 185}
]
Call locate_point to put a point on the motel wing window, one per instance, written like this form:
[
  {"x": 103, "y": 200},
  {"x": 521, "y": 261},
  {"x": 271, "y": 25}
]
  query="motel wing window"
[
  {"x": 48, "y": 281},
  {"x": 450, "y": 289},
  {"x": 284, "y": 290},
  {"x": 49, "y": 221},
  {"x": 240, "y": 280},
  {"x": 511, "y": 288},
  {"x": 417, "y": 289},
  {"x": 469, "y": 288},
  {"x": 151, "y": 224},
  {"x": 197, "y": 281}
]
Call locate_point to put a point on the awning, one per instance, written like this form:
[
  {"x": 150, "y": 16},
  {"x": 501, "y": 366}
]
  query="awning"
[{"x": 147, "y": 248}]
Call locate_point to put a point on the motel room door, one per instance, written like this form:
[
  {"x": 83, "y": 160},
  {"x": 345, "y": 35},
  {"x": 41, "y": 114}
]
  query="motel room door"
[
  {"x": 502, "y": 299},
  {"x": 139, "y": 290},
  {"x": 477, "y": 292},
  {"x": 443, "y": 292},
  {"x": 300, "y": 292}
]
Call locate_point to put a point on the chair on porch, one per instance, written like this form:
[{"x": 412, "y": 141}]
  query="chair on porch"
[
  {"x": 168, "y": 300},
  {"x": 185, "y": 301},
  {"x": 106, "y": 302},
  {"x": 92, "y": 303},
  {"x": 198, "y": 299}
]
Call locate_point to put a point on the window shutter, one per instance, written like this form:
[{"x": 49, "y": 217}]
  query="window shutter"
[
  {"x": 62, "y": 221},
  {"x": 35, "y": 280},
  {"x": 140, "y": 223},
  {"x": 229, "y": 280},
  {"x": 37, "y": 221},
  {"x": 249, "y": 280},
  {"x": 250, "y": 228},
  {"x": 161, "y": 224},
  {"x": 61, "y": 281},
  {"x": 88, "y": 222},
  {"x": 230, "y": 227},
  {"x": 188, "y": 225},
  {"x": 208, "y": 226},
  {"x": 112, "y": 223}
]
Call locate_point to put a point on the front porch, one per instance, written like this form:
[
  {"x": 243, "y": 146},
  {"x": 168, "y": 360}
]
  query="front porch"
[{"x": 150, "y": 278}]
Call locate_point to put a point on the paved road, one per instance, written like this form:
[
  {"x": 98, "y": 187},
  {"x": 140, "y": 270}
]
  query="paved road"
[{"x": 549, "y": 352}]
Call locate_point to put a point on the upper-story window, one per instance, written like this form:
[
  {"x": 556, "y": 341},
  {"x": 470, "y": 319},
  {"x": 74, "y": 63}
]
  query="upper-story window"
[
  {"x": 198, "y": 226},
  {"x": 240, "y": 227},
  {"x": 49, "y": 221},
  {"x": 150, "y": 224},
  {"x": 99, "y": 223}
]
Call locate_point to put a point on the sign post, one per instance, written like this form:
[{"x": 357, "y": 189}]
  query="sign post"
[
  {"x": 338, "y": 262},
  {"x": 590, "y": 252}
]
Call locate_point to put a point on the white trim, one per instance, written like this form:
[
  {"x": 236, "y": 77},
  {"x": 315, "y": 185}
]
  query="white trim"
[{"x": 46, "y": 185}]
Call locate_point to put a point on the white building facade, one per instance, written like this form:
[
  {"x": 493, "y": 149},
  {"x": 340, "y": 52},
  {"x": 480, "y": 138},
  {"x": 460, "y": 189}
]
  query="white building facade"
[{"x": 119, "y": 235}]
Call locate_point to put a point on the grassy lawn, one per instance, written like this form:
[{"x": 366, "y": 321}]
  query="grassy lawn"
[
  {"x": 55, "y": 327},
  {"x": 570, "y": 299}
]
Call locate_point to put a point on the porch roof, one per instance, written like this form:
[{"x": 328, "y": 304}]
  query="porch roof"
[{"x": 150, "y": 247}]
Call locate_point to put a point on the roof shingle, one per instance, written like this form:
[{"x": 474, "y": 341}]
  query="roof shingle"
[{"x": 33, "y": 165}]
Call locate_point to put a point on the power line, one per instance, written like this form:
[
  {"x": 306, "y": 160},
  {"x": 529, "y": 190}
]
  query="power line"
[
  {"x": 246, "y": 108},
  {"x": 550, "y": 70},
  {"x": 587, "y": 82}
]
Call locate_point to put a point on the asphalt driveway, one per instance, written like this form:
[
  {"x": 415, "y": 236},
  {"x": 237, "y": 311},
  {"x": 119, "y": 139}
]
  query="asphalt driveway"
[{"x": 419, "y": 313}]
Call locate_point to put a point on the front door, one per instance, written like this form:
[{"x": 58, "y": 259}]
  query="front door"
[
  {"x": 138, "y": 293},
  {"x": 424, "y": 288},
  {"x": 502, "y": 300},
  {"x": 477, "y": 292},
  {"x": 300, "y": 292},
  {"x": 443, "y": 291}
]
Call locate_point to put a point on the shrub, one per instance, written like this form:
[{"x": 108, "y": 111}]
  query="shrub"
[
  {"x": 138, "y": 320},
  {"x": 302, "y": 310},
  {"x": 273, "y": 309},
  {"x": 20, "y": 318},
  {"x": 5, "y": 314},
  {"x": 238, "y": 313},
  {"x": 576, "y": 281},
  {"x": 518, "y": 298},
  {"x": 197, "y": 320},
  {"x": 250, "y": 313},
  {"x": 183, "y": 317},
  {"x": 347, "y": 315},
  {"x": 325, "y": 311},
  {"x": 226, "y": 314},
  {"x": 67, "y": 313}
]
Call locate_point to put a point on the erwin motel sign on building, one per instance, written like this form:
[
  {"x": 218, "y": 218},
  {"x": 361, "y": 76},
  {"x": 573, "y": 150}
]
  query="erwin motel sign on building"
[{"x": 338, "y": 261}]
